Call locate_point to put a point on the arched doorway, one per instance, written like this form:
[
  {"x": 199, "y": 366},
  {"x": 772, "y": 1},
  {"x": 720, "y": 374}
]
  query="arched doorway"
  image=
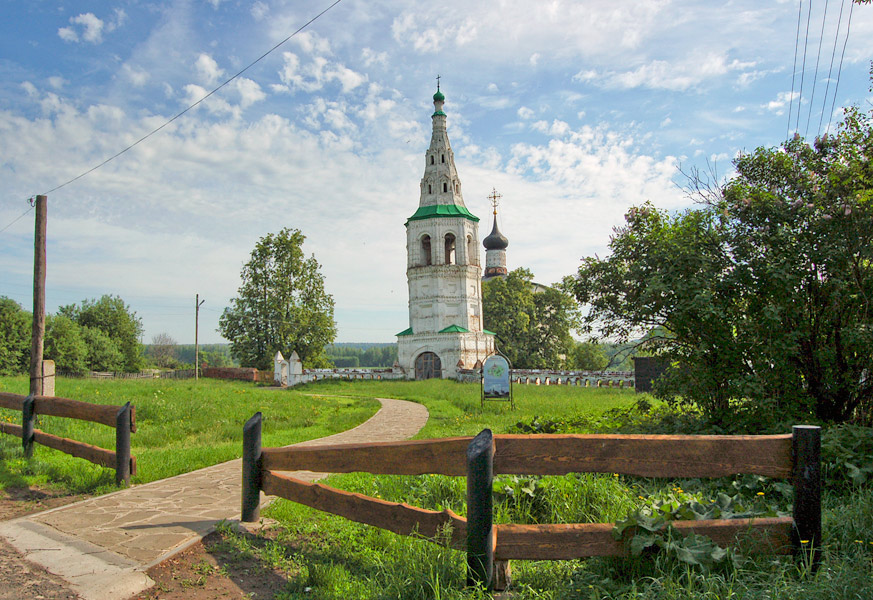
[{"x": 428, "y": 366}]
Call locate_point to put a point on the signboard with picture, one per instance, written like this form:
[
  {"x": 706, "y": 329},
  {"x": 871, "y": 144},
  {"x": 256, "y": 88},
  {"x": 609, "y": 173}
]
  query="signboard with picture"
[{"x": 496, "y": 379}]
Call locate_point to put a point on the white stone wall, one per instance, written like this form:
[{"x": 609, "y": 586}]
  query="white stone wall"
[{"x": 450, "y": 347}]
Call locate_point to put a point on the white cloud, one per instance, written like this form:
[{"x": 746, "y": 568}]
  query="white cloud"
[
  {"x": 249, "y": 91},
  {"x": 138, "y": 77},
  {"x": 660, "y": 74},
  {"x": 525, "y": 113},
  {"x": 87, "y": 27},
  {"x": 492, "y": 87},
  {"x": 259, "y": 10},
  {"x": 29, "y": 88},
  {"x": 207, "y": 69},
  {"x": 782, "y": 98},
  {"x": 57, "y": 82},
  {"x": 534, "y": 59},
  {"x": 317, "y": 73},
  {"x": 371, "y": 57}
]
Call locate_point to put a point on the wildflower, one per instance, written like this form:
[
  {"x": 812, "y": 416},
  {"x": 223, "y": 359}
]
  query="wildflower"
[
  {"x": 804, "y": 541},
  {"x": 760, "y": 493}
]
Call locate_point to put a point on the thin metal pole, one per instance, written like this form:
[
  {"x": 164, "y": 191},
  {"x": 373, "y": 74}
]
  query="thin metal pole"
[{"x": 197, "y": 304}]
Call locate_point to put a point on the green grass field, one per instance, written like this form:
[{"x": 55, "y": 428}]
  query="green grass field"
[{"x": 181, "y": 426}]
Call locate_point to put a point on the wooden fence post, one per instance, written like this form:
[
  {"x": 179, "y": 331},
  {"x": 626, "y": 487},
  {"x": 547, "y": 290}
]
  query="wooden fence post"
[
  {"x": 251, "y": 469},
  {"x": 122, "y": 445},
  {"x": 807, "y": 491},
  {"x": 480, "y": 531},
  {"x": 27, "y": 424}
]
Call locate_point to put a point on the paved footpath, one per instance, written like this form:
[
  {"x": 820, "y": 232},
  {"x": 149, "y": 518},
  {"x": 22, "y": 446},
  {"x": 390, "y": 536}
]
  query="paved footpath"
[{"x": 102, "y": 546}]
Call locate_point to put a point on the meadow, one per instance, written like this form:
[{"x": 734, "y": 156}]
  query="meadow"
[{"x": 183, "y": 426}]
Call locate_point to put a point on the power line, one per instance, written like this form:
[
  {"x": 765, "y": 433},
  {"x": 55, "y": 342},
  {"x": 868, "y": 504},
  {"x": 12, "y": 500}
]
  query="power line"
[
  {"x": 840, "y": 68},
  {"x": 794, "y": 70},
  {"x": 803, "y": 68},
  {"x": 16, "y": 220},
  {"x": 824, "y": 102},
  {"x": 154, "y": 131},
  {"x": 815, "y": 73}
]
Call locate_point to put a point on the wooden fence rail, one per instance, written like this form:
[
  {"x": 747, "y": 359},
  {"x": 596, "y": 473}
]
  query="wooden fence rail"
[
  {"x": 795, "y": 456},
  {"x": 122, "y": 418}
]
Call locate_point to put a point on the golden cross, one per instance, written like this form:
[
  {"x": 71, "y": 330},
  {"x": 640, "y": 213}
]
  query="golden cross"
[{"x": 494, "y": 197}]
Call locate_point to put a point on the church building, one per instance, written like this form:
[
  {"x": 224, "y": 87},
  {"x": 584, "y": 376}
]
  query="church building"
[{"x": 443, "y": 271}]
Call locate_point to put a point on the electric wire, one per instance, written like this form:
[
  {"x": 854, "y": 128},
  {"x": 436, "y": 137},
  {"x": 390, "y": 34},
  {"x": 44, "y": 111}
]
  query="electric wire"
[
  {"x": 803, "y": 69},
  {"x": 154, "y": 131},
  {"x": 794, "y": 69},
  {"x": 824, "y": 102},
  {"x": 840, "y": 68},
  {"x": 815, "y": 73},
  {"x": 16, "y": 220}
]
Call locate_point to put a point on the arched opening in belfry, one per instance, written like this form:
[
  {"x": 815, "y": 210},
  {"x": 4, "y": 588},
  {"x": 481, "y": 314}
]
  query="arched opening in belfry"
[
  {"x": 450, "y": 248},
  {"x": 445, "y": 187},
  {"x": 444, "y": 158},
  {"x": 429, "y": 191},
  {"x": 471, "y": 251},
  {"x": 426, "y": 256},
  {"x": 428, "y": 365},
  {"x": 431, "y": 159}
]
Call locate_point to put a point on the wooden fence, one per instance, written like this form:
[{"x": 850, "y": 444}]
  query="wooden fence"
[
  {"x": 122, "y": 418},
  {"x": 795, "y": 456}
]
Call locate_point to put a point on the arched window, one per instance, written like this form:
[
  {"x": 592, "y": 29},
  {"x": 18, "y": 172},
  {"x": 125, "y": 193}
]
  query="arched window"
[
  {"x": 429, "y": 191},
  {"x": 445, "y": 187},
  {"x": 472, "y": 257},
  {"x": 444, "y": 158},
  {"x": 431, "y": 159},
  {"x": 426, "y": 257},
  {"x": 450, "y": 248}
]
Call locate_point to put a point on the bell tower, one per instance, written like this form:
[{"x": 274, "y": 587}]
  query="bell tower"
[{"x": 442, "y": 270}]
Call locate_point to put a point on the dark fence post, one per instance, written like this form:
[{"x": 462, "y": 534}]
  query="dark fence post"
[
  {"x": 807, "y": 491},
  {"x": 480, "y": 533},
  {"x": 27, "y": 424},
  {"x": 251, "y": 469},
  {"x": 122, "y": 445}
]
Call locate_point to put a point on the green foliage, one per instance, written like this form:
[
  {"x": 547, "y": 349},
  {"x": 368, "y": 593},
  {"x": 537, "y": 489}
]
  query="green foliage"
[
  {"x": 761, "y": 293},
  {"x": 847, "y": 456},
  {"x": 65, "y": 344},
  {"x": 532, "y": 322},
  {"x": 368, "y": 355},
  {"x": 587, "y": 356},
  {"x": 110, "y": 328},
  {"x": 282, "y": 305},
  {"x": 15, "y": 326}
]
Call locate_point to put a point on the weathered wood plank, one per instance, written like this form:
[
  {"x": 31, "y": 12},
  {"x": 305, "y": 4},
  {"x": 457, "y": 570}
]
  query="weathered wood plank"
[
  {"x": 399, "y": 518},
  {"x": 11, "y": 429},
  {"x": 644, "y": 455},
  {"x": 12, "y": 401},
  {"x": 580, "y": 540},
  {"x": 72, "y": 409},
  {"x": 445, "y": 456},
  {"x": 94, "y": 454}
]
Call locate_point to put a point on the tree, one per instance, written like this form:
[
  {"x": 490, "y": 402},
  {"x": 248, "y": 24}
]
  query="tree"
[
  {"x": 282, "y": 305},
  {"x": 532, "y": 322},
  {"x": 114, "y": 318},
  {"x": 163, "y": 350},
  {"x": 104, "y": 353},
  {"x": 15, "y": 326},
  {"x": 763, "y": 292},
  {"x": 65, "y": 344},
  {"x": 587, "y": 356}
]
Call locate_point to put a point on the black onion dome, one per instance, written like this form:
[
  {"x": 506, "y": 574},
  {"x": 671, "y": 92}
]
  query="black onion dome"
[{"x": 495, "y": 240}]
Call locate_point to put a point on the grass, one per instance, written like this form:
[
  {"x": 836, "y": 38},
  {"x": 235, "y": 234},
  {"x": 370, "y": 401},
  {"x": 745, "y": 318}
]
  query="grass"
[{"x": 181, "y": 426}]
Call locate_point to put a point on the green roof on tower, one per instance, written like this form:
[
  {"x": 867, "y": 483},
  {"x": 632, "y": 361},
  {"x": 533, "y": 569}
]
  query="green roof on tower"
[{"x": 439, "y": 97}]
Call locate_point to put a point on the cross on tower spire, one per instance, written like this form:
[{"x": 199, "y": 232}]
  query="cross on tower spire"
[
  {"x": 494, "y": 197},
  {"x": 438, "y": 82}
]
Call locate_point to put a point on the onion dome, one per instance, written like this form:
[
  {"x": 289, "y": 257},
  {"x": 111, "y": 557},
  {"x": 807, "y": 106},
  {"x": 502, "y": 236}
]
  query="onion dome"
[
  {"x": 439, "y": 97},
  {"x": 495, "y": 240}
]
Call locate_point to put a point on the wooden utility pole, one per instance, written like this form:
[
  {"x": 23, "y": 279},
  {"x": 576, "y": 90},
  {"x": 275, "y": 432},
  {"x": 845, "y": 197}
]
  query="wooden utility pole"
[
  {"x": 197, "y": 303},
  {"x": 38, "y": 330}
]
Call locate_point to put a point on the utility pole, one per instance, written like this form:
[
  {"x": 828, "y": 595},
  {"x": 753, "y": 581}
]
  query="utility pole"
[
  {"x": 38, "y": 330},
  {"x": 197, "y": 303}
]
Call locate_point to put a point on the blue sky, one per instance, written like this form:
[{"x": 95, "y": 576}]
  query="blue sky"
[{"x": 573, "y": 111}]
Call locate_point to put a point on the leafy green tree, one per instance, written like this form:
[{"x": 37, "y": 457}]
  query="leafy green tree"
[
  {"x": 164, "y": 351},
  {"x": 763, "y": 292},
  {"x": 282, "y": 305},
  {"x": 15, "y": 326},
  {"x": 65, "y": 344},
  {"x": 532, "y": 322},
  {"x": 587, "y": 356},
  {"x": 104, "y": 354},
  {"x": 114, "y": 318}
]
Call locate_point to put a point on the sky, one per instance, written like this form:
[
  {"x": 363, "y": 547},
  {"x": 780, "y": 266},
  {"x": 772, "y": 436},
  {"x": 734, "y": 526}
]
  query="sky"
[{"x": 572, "y": 110}]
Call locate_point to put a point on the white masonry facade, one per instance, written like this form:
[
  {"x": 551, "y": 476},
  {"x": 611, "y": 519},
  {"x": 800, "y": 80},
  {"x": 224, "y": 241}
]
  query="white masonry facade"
[{"x": 443, "y": 271}]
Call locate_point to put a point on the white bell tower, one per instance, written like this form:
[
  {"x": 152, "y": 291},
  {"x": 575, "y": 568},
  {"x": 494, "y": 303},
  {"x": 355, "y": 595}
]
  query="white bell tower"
[{"x": 442, "y": 270}]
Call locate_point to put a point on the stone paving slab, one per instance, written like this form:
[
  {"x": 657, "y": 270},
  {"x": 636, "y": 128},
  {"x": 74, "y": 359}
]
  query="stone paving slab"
[{"x": 103, "y": 545}]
